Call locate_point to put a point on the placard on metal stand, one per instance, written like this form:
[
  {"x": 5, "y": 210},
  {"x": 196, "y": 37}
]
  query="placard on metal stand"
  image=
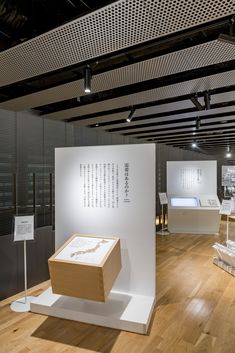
[
  {"x": 23, "y": 231},
  {"x": 163, "y": 201},
  {"x": 226, "y": 209}
]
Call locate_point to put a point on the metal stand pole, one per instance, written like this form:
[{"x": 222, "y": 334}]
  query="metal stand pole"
[
  {"x": 163, "y": 230},
  {"x": 25, "y": 271},
  {"x": 227, "y": 227},
  {"x": 23, "y": 304}
]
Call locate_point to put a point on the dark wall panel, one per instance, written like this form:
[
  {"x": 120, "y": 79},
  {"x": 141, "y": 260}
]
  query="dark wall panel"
[{"x": 12, "y": 261}]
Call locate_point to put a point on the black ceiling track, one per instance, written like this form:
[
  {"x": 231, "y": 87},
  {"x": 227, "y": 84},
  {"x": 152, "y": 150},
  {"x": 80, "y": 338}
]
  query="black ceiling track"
[
  {"x": 173, "y": 121},
  {"x": 207, "y": 117},
  {"x": 150, "y": 104},
  {"x": 143, "y": 86},
  {"x": 205, "y": 136},
  {"x": 200, "y": 138},
  {"x": 164, "y": 136}
]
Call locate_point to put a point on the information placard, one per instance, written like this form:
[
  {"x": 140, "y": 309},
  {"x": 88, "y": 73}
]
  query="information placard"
[
  {"x": 226, "y": 207},
  {"x": 163, "y": 198},
  {"x": 24, "y": 228}
]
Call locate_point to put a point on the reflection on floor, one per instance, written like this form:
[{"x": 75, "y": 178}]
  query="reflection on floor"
[{"x": 195, "y": 310}]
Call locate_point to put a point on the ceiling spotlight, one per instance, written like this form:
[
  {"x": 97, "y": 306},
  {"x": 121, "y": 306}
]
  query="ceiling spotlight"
[
  {"x": 228, "y": 154},
  {"x": 207, "y": 100},
  {"x": 194, "y": 145},
  {"x": 87, "y": 79},
  {"x": 130, "y": 116},
  {"x": 198, "y": 123}
]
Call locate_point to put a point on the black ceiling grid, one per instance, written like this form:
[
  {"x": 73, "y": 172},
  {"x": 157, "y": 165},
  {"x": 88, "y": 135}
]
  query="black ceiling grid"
[{"x": 170, "y": 62}]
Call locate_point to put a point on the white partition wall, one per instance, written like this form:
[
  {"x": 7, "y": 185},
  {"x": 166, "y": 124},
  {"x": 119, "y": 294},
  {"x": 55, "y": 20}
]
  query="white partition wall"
[
  {"x": 110, "y": 191},
  {"x": 192, "y": 192}
]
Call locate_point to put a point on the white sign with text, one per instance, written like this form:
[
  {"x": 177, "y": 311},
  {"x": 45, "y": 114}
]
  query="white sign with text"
[
  {"x": 226, "y": 207},
  {"x": 24, "y": 228},
  {"x": 163, "y": 198}
]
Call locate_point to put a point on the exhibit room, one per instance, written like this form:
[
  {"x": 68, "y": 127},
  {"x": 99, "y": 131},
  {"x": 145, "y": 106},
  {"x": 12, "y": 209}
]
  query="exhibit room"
[{"x": 117, "y": 176}]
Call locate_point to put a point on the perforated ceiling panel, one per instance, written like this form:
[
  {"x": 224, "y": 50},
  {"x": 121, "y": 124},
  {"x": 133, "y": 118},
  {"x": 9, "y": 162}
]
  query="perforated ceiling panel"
[
  {"x": 117, "y": 26},
  {"x": 187, "y": 87},
  {"x": 191, "y": 58}
]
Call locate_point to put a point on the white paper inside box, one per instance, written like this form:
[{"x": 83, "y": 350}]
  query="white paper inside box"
[{"x": 86, "y": 266}]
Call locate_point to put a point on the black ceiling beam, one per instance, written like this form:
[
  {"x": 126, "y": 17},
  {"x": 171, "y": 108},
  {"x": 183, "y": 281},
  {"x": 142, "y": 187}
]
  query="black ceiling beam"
[
  {"x": 148, "y": 117},
  {"x": 216, "y": 147},
  {"x": 139, "y": 87},
  {"x": 173, "y": 121},
  {"x": 219, "y": 130},
  {"x": 207, "y": 141},
  {"x": 185, "y": 129},
  {"x": 211, "y": 116},
  {"x": 208, "y": 137}
]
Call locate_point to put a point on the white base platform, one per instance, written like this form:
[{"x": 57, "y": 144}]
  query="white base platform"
[
  {"x": 121, "y": 311},
  {"x": 194, "y": 221},
  {"x": 22, "y": 305}
]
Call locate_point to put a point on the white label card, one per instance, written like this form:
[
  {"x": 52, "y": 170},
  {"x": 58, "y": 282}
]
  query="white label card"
[
  {"x": 24, "y": 228},
  {"x": 163, "y": 198},
  {"x": 226, "y": 207}
]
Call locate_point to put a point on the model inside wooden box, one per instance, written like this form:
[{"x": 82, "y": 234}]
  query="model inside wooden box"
[{"x": 86, "y": 266}]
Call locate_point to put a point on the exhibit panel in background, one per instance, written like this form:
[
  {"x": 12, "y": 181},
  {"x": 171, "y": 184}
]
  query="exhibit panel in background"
[
  {"x": 192, "y": 178},
  {"x": 110, "y": 191},
  {"x": 228, "y": 183},
  {"x": 228, "y": 175},
  {"x": 192, "y": 193}
]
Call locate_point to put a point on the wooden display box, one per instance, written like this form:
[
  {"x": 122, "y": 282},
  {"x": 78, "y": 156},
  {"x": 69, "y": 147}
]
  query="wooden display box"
[{"x": 86, "y": 267}]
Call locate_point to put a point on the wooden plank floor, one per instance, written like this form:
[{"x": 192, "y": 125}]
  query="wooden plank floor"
[{"x": 195, "y": 311}]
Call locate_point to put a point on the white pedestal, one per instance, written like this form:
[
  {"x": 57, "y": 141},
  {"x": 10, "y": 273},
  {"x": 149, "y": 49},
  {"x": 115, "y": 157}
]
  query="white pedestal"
[
  {"x": 121, "y": 311},
  {"x": 22, "y": 305}
]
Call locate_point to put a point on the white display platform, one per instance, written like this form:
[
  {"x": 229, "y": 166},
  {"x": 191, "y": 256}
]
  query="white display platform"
[{"x": 120, "y": 311}]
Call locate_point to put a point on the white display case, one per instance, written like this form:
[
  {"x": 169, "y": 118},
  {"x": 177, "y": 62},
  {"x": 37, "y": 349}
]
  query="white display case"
[{"x": 197, "y": 214}]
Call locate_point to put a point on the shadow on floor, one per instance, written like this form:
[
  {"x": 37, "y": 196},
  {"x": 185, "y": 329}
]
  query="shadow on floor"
[{"x": 90, "y": 337}]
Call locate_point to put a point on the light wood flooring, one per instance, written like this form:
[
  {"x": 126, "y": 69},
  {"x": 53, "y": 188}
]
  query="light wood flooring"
[{"x": 195, "y": 311}]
